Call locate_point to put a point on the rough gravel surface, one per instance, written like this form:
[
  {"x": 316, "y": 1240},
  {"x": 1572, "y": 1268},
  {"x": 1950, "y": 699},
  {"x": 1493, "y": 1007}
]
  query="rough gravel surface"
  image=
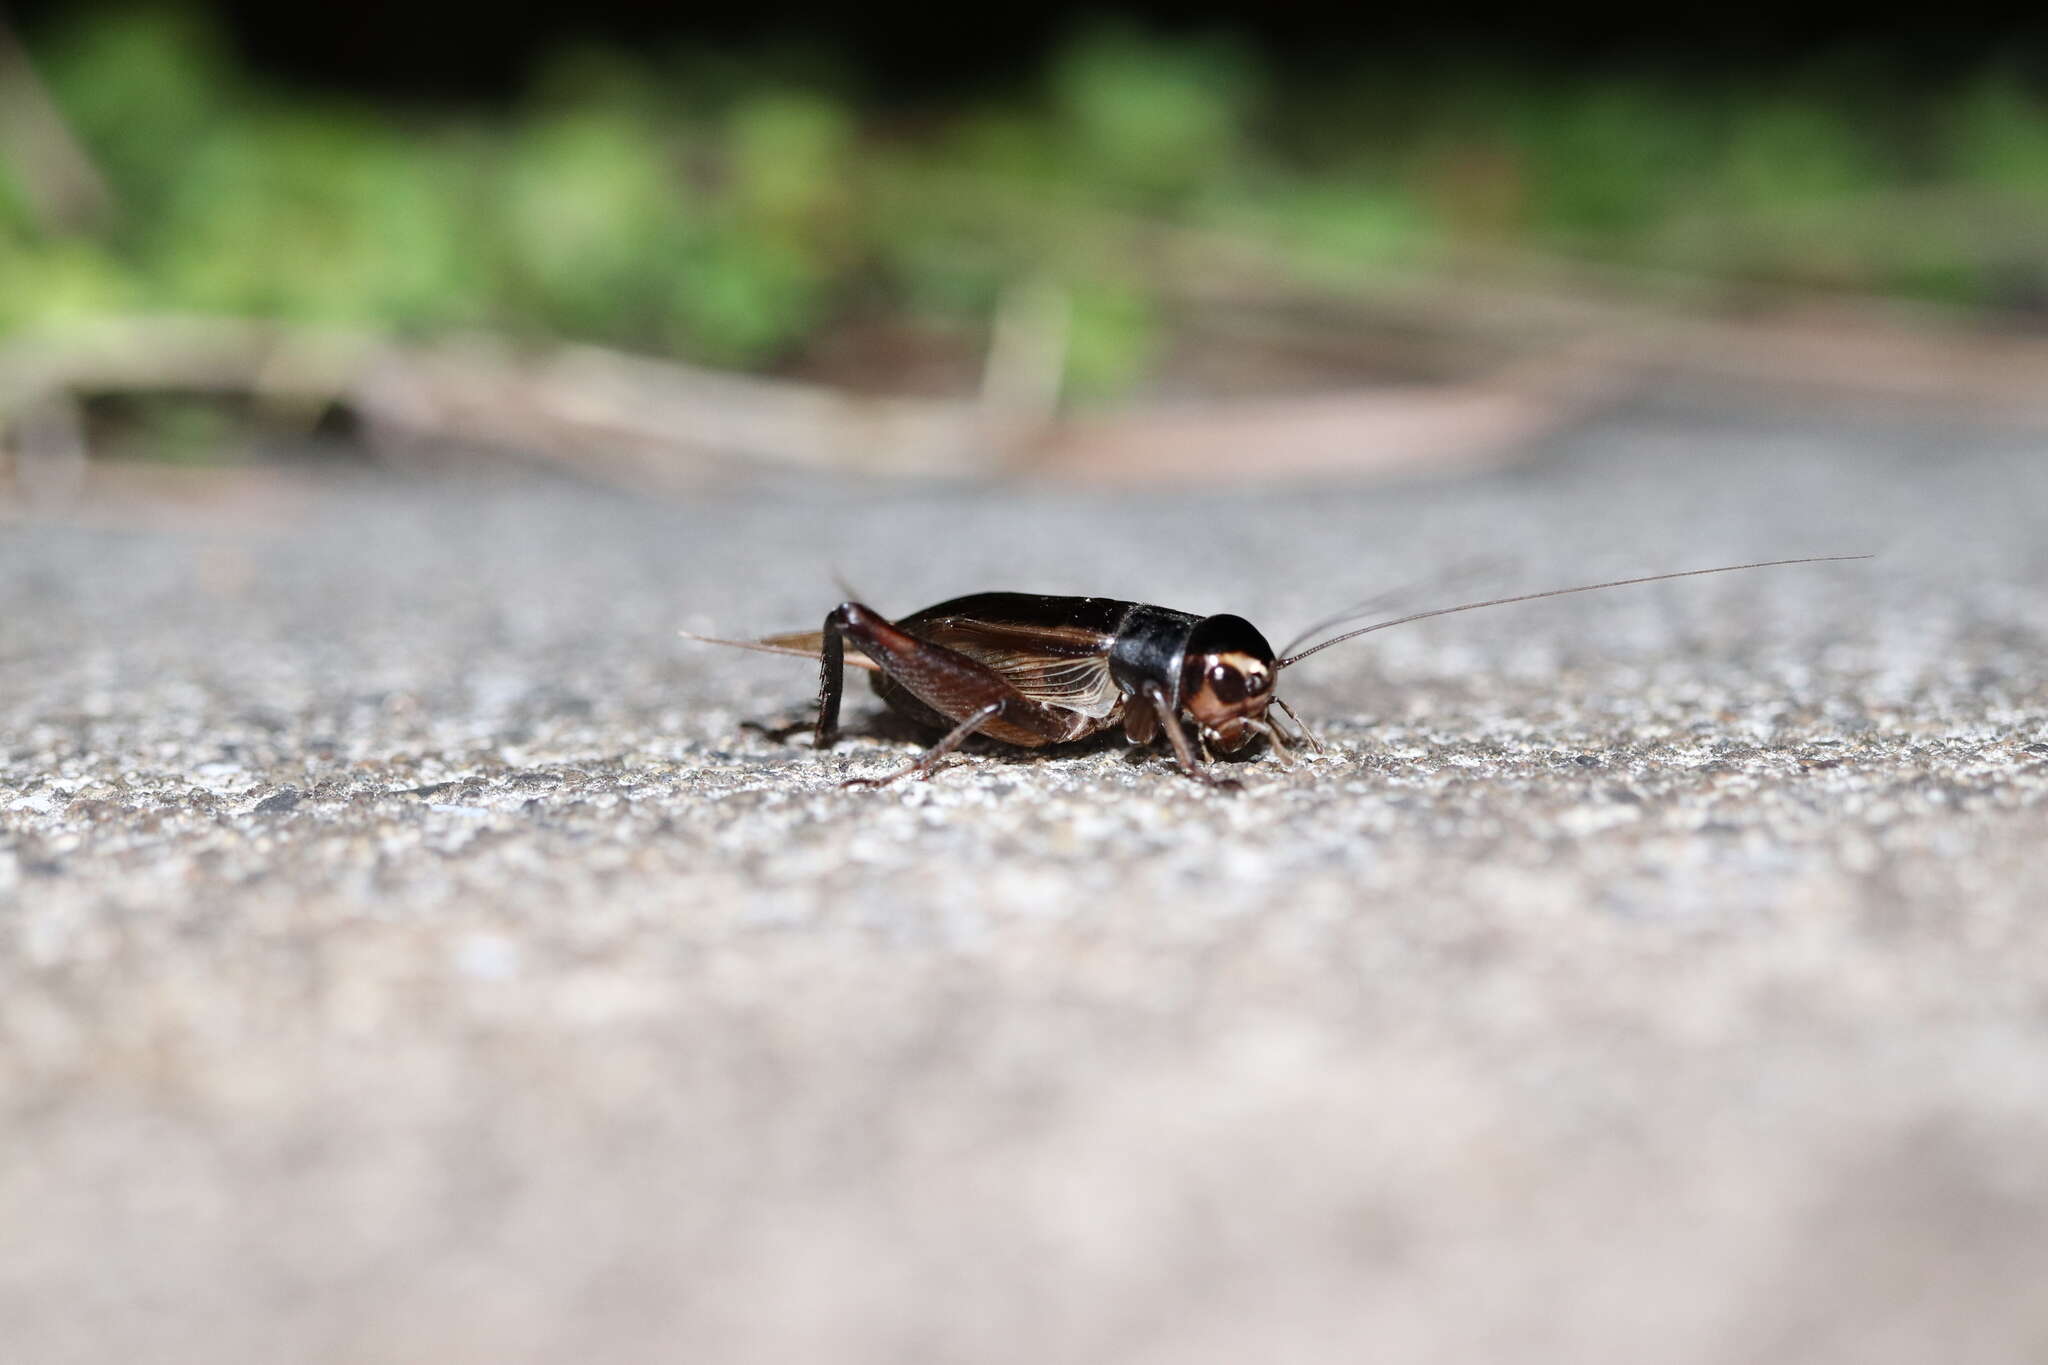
[{"x": 405, "y": 953}]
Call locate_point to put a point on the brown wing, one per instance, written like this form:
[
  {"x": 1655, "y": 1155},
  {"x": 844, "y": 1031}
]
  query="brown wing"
[
  {"x": 1081, "y": 685},
  {"x": 1065, "y": 667},
  {"x": 1052, "y": 650}
]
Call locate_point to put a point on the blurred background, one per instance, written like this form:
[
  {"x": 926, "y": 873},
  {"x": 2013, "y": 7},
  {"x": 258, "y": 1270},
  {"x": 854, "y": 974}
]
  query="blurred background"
[
  {"x": 660, "y": 246},
  {"x": 411, "y": 950}
]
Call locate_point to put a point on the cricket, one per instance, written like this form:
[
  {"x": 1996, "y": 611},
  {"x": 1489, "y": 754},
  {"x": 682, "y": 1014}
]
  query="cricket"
[{"x": 1034, "y": 671}]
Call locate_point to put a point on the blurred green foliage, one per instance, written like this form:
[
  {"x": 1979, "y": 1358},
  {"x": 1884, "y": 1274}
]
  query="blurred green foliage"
[{"x": 728, "y": 215}]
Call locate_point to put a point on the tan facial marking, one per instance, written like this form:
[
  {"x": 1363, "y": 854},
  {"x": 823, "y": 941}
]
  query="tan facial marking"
[{"x": 1232, "y": 686}]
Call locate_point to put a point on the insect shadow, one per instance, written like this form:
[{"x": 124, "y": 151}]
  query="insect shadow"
[{"x": 1030, "y": 671}]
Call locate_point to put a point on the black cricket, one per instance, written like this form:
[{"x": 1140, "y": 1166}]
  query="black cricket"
[{"x": 1033, "y": 671}]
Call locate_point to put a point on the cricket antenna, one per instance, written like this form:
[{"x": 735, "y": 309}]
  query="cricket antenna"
[
  {"x": 1554, "y": 592},
  {"x": 1463, "y": 571}
]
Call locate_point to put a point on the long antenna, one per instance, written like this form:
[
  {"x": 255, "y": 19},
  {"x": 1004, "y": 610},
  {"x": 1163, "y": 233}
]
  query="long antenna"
[
  {"x": 1554, "y": 592},
  {"x": 1391, "y": 598}
]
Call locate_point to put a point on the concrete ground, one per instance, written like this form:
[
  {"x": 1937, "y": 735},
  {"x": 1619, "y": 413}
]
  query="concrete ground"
[{"x": 406, "y": 955}]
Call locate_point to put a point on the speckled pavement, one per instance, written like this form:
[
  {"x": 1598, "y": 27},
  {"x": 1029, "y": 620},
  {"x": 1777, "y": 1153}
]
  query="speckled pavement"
[{"x": 406, "y": 955}]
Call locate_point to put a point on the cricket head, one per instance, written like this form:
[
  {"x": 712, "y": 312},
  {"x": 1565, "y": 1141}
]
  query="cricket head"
[{"x": 1226, "y": 680}]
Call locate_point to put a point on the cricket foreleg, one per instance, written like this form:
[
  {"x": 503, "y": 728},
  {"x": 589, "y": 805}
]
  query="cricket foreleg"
[
  {"x": 1276, "y": 740},
  {"x": 1300, "y": 727},
  {"x": 1177, "y": 736}
]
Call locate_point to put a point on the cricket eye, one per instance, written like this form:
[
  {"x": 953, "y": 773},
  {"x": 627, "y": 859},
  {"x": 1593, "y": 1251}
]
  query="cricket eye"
[{"x": 1226, "y": 684}]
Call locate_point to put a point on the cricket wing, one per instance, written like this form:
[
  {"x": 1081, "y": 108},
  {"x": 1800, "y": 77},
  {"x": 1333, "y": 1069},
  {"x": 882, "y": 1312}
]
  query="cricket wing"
[
  {"x": 1066, "y": 668},
  {"x": 1054, "y": 650},
  {"x": 1080, "y": 685}
]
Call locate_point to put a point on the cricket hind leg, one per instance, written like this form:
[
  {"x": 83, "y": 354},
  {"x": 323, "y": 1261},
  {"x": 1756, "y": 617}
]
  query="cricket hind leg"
[
  {"x": 831, "y": 682},
  {"x": 928, "y": 760},
  {"x": 932, "y": 685}
]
